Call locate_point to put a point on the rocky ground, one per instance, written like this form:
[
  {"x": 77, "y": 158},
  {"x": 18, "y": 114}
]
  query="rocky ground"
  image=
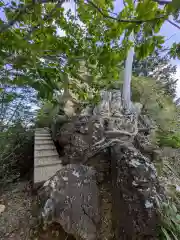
[{"x": 18, "y": 216}]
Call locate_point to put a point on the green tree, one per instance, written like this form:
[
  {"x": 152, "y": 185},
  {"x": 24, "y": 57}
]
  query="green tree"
[
  {"x": 16, "y": 133},
  {"x": 39, "y": 57},
  {"x": 158, "y": 67},
  {"x": 156, "y": 103}
]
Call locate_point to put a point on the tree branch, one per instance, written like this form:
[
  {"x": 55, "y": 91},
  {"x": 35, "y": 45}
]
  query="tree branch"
[
  {"x": 13, "y": 21},
  {"x": 30, "y": 5},
  {"x": 21, "y": 10},
  {"x": 46, "y": 17},
  {"x": 139, "y": 21},
  {"x": 174, "y": 24},
  {"x": 161, "y": 2}
]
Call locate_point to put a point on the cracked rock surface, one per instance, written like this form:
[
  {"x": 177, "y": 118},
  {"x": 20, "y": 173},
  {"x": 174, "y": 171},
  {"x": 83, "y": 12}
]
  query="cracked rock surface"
[
  {"x": 72, "y": 200},
  {"x": 107, "y": 187}
]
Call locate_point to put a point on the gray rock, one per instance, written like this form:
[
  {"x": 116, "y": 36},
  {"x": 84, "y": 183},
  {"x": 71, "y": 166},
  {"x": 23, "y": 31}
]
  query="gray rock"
[
  {"x": 2, "y": 208},
  {"x": 105, "y": 140},
  {"x": 71, "y": 199},
  {"x": 135, "y": 191}
]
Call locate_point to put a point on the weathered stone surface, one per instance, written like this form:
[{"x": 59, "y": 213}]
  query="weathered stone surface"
[
  {"x": 71, "y": 199},
  {"x": 125, "y": 182},
  {"x": 143, "y": 143},
  {"x": 2, "y": 208},
  {"x": 135, "y": 188}
]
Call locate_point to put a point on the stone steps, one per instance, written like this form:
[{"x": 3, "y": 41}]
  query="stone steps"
[
  {"x": 41, "y": 137},
  {"x": 43, "y": 141},
  {"x": 44, "y": 173},
  {"x": 42, "y": 146},
  {"x": 41, "y": 161},
  {"x": 46, "y": 158},
  {"x": 44, "y": 135},
  {"x": 44, "y": 153}
]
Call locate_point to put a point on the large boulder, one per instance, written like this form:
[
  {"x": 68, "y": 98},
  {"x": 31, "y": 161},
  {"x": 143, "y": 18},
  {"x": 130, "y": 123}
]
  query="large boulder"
[
  {"x": 70, "y": 198},
  {"x": 107, "y": 188},
  {"x": 135, "y": 189}
]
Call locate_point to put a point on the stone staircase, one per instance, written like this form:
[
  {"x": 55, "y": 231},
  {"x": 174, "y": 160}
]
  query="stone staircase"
[{"x": 46, "y": 158}]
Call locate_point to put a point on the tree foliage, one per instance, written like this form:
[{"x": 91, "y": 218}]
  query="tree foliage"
[
  {"x": 16, "y": 136},
  {"x": 16, "y": 155},
  {"x": 158, "y": 66},
  {"x": 37, "y": 55},
  {"x": 156, "y": 103}
]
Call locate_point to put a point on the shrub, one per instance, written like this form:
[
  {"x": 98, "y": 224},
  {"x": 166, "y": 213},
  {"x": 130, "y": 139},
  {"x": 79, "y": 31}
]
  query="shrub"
[
  {"x": 16, "y": 152},
  {"x": 170, "y": 222},
  {"x": 168, "y": 139}
]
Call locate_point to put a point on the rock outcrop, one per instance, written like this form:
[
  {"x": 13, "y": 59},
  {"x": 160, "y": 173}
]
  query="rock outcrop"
[
  {"x": 135, "y": 188},
  {"x": 107, "y": 188},
  {"x": 72, "y": 200}
]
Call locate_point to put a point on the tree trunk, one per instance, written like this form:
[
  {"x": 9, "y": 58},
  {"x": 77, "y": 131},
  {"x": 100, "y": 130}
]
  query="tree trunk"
[{"x": 128, "y": 75}]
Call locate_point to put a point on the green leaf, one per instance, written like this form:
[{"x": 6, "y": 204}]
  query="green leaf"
[
  {"x": 176, "y": 4},
  {"x": 129, "y": 2},
  {"x": 158, "y": 26},
  {"x": 13, "y": 3},
  {"x": 1, "y": 3},
  {"x": 159, "y": 39},
  {"x": 175, "y": 50}
]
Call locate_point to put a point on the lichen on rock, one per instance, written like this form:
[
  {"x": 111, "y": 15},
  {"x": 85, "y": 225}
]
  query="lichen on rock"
[
  {"x": 101, "y": 159},
  {"x": 135, "y": 190},
  {"x": 72, "y": 200}
]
